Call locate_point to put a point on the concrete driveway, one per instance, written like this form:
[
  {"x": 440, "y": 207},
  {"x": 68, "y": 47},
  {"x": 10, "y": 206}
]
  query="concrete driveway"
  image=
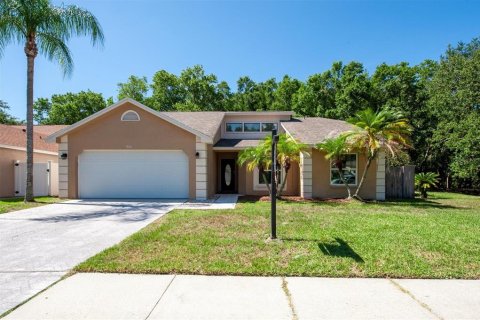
[{"x": 40, "y": 245}]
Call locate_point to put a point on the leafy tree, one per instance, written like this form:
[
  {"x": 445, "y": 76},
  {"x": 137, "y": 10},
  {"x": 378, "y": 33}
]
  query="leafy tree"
[
  {"x": 135, "y": 88},
  {"x": 166, "y": 91},
  {"x": 43, "y": 28},
  {"x": 247, "y": 97},
  {"x": 403, "y": 88},
  {"x": 337, "y": 93},
  {"x": 200, "y": 88},
  {"x": 455, "y": 101},
  {"x": 425, "y": 181},
  {"x": 68, "y": 108},
  {"x": 283, "y": 95},
  {"x": 335, "y": 150},
  {"x": 384, "y": 130},
  {"x": 5, "y": 117}
]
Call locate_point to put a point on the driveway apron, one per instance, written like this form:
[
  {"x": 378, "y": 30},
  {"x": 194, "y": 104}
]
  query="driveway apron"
[{"x": 40, "y": 245}]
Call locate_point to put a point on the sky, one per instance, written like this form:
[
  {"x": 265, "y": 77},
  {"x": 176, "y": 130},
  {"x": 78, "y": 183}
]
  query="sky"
[{"x": 261, "y": 39}]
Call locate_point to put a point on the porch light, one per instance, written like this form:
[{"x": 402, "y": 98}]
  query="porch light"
[
  {"x": 197, "y": 154},
  {"x": 63, "y": 156}
]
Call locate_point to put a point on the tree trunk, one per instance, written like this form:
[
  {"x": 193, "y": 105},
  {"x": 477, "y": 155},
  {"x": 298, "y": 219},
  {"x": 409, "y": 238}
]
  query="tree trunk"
[
  {"x": 31, "y": 52},
  {"x": 340, "y": 172},
  {"x": 367, "y": 166},
  {"x": 266, "y": 182},
  {"x": 282, "y": 186}
]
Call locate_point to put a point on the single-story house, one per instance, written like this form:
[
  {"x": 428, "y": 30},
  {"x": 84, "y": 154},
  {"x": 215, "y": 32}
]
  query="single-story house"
[
  {"x": 129, "y": 150},
  {"x": 13, "y": 141}
]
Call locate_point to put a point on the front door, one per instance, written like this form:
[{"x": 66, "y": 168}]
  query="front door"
[{"x": 228, "y": 175}]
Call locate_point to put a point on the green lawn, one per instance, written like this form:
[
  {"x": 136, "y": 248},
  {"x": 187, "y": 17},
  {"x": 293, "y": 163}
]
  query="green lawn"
[
  {"x": 434, "y": 238},
  {"x": 13, "y": 204}
]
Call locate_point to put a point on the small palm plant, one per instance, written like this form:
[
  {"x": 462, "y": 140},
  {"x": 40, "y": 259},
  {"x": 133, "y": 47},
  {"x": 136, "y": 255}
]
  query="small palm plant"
[
  {"x": 425, "y": 181},
  {"x": 335, "y": 150}
]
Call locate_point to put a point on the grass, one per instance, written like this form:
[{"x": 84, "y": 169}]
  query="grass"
[
  {"x": 434, "y": 238},
  {"x": 14, "y": 204}
]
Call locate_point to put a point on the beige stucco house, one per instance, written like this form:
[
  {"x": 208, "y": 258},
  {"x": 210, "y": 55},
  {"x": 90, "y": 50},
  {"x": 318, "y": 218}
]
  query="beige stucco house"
[
  {"x": 131, "y": 151},
  {"x": 13, "y": 157}
]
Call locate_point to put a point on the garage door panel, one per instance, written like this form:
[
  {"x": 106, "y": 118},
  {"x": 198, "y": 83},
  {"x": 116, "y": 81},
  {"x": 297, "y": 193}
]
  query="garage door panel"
[{"x": 133, "y": 174}]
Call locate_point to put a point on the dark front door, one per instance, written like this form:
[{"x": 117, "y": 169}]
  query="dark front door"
[{"x": 228, "y": 175}]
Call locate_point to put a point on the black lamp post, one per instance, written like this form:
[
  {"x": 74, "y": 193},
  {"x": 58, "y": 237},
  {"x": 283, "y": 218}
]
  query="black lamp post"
[{"x": 273, "y": 178}]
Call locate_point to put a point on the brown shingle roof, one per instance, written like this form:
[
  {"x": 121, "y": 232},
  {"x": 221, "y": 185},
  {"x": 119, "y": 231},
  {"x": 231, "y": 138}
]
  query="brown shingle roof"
[
  {"x": 45, "y": 130},
  {"x": 315, "y": 130},
  {"x": 236, "y": 143},
  {"x": 204, "y": 122},
  {"x": 15, "y": 136}
]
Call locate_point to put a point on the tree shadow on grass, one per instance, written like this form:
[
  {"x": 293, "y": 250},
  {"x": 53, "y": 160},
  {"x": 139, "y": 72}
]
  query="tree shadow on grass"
[
  {"x": 339, "y": 249},
  {"x": 417, "y": 203}
]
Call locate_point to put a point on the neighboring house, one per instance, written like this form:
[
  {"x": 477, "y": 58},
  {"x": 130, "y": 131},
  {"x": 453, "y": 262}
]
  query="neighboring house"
[
  {"x": 131, "y": 151},
  {"x": 13, "y": 156}
]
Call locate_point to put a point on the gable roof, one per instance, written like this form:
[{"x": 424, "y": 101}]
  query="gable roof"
[
  {"x": 161, "y": 115},
  {"x": 314, "y": 130},
  {"x": 16, "y": 138}
]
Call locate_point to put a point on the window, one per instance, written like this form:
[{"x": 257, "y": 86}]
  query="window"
[
  {"x": 268, "y": 126},
  {"x": 259, "y": 182},
  {"x": 251, "y": 127},
  {"x": 130, "y": 115},
  {"x": 349, "y": 165},
  {"x": 234, "y": 127}
]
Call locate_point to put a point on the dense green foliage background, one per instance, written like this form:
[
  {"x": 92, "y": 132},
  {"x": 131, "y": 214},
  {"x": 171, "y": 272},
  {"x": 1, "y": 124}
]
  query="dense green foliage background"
[{"x": 441, "y": 99}]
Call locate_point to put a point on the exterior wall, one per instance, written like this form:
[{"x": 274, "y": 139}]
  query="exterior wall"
[
  {"x": 321, "y": 187},
  {"x": 246, "y": 182},
  {"x": 380, "y": 187},
  {"x": 211, "y": 171},
  {"x": 107, "y": 132},
  {"x": 201, "y": 167},
  {"x": 306, "y": 175},
  {"x": 251, "y": 118},
  {"x": 63, "y": 168},
  {"x": 7, "y": 172}
]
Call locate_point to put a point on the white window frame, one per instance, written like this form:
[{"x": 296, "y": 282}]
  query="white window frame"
[
  {"x": 356, "y": 172},
  {"x": 261, "y": 186},
  {"x": 130, "y": 111}
]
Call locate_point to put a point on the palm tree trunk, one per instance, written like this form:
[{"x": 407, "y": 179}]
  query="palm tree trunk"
[
  {"x": 340, "y": 172},
  {"x": 31, "y": 52},
  {"x": 282, "y": 186},
  {"x": 266, "y": 182},
  {"x": 367, "y": 166}
]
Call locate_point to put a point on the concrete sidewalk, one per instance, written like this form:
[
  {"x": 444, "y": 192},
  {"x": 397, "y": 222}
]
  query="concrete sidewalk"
[{"x": 116, "y": 296}]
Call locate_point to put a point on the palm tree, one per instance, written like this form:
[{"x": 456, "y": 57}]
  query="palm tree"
[
  {"x": 288, "y": 151},
  {"x": 256, "y": 157},
  {"x": 45, "y": 28},
  {"x": 335, "y": 150},
  {"x": 384, "y": 130}
]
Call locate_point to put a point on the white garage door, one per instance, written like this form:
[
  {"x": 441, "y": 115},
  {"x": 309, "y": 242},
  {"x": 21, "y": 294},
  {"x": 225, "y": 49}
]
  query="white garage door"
[{"x": 133, "y": 174}]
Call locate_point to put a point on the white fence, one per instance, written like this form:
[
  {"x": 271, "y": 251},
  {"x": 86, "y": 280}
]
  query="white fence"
[{"x": 45, "y": 178}]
